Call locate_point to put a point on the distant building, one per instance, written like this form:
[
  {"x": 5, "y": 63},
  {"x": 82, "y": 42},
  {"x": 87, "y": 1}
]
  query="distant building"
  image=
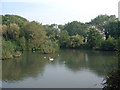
[
  {"x": 56, "y": 27},
  {"x": 101, "y": 32}
]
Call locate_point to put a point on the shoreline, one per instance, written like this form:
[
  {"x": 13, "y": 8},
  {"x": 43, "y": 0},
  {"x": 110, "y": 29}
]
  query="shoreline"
[{"x": 18, "y": 55}]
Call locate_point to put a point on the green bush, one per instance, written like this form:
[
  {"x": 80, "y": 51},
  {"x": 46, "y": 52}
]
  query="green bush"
[
  {"x": 76, "y": 41},
  {"x": 49, "y": 47},
  {"x": 7, "y": 49},
  {"x": 109, "y": 44},
  {"x": 112, "y": 80},
  {"x": 94, "y": 38},
  {"x": 22, "y": 43},
  {"x": 34, "y": 34},
  {"x": 16, "y": 54},
  {"x": 64, "y": 39},
  {"x": 118, "y": 44}
]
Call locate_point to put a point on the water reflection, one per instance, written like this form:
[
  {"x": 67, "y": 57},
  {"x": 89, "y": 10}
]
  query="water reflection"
[
  {"x": 38, "y": 66},
  {"x": 29, "y": 64},
  {"x": 96, "y": 61}
]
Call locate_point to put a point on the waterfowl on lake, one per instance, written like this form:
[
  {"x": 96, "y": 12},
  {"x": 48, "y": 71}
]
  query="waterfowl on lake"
[
  {"x": 51, "y": 59},
  {"x": 33, "y": 51},
  {"x": 44, "y": 57}
]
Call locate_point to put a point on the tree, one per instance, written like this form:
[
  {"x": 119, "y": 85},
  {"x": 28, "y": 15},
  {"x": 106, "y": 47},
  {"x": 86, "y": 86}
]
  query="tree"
[
  {"x": 13, "y": 31},
  {"x": 61, "y": 27},
  {"x": 109, "y": 44},
  {"x": 9, "y": 19},
  {"x": 34, "y": 34},
  {"x": 112, "y": 81},
  {"x": 101, "y": 21},
  {"x": 75, "y": 28},
  {"x": 76, "y": 41},
  {"x": 7, "y": 49},
  {"x": 113, "y": 29},
  {"x": 22, "y": 43},
  {"x": 51, "y": 32},
  {"x": 4, "y": 31},
  {"x": 94, "y": 38},
  {"x": 64, "y": 39},
  {"x": 49, "y": 47}
]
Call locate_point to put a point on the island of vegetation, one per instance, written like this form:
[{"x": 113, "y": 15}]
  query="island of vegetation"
[{"x": 19, "y": 34}]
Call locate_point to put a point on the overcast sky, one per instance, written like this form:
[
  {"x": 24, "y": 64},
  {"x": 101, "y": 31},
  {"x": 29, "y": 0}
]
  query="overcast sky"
[{"x": 59, "y": 11}]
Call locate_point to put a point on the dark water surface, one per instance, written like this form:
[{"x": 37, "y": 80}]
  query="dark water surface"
[{"x": 69, "y": 69}]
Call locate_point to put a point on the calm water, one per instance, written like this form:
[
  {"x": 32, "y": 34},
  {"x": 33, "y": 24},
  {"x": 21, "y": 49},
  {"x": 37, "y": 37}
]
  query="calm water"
[{"x": 70, "y": 69}]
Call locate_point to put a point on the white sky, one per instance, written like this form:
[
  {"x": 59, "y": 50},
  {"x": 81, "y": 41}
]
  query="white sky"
[{"x": 63, "y": 11}]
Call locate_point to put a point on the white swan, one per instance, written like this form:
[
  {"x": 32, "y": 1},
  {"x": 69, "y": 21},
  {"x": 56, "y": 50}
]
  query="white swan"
[
  {"x": 51, "y": 59},
  {"x": 44, "y": 57}
]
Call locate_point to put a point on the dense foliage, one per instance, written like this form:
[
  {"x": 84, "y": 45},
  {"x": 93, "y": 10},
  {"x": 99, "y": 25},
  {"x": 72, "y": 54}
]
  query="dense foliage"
[
  {"x": 7, "y": 49},
  {"x": 76, "y": 41},
  {"x": 94, "y": 38},
  {"x": 34, "y": 34},
  {"x": 22, "y": 43},
  {"x": 24, "y": 35},
  {"x": 113, "y": 29},
  {"x": 75, "y": 28},
  {"x": 9, "y": 19},
  {"x": 49, "y": 47},
  {"x": 102, "y": 21},
  {"x": 109, "y": 44},
  {"x": 20, "y": 34},
  {"x": 52, "y": 32},
  {"x": 112, "y": 80},
  {"x": 64, "y": 39}
]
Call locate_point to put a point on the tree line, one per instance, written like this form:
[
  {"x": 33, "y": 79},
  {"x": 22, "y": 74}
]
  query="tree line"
[{"x": 20, "y": 34}]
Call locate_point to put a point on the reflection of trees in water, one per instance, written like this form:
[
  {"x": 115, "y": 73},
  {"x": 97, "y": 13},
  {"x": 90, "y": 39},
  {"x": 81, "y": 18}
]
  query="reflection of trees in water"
[
  {"x": 100, "y": 62},
  {"x": 96, "y": 61},
  {"x": 72, "y": 58},
  {"x": 29, "y": 64}
]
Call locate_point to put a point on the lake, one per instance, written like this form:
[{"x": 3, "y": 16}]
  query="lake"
[{"x": 70, "y": 69}]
